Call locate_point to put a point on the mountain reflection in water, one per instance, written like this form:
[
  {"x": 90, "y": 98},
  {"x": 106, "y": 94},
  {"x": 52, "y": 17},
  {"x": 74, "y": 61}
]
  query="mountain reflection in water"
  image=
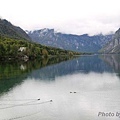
[
  {"x": 14, "y": 73},
  {"x": 80, "y": 88}
]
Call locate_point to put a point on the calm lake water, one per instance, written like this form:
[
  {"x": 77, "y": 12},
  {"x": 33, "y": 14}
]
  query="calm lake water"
[{"x": 84, "y": 88}]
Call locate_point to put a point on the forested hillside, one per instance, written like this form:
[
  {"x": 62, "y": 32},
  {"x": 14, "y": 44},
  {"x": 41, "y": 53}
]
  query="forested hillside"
[
  {"x": 21, "y": 49},
  {"x": 16, "y": 44}
]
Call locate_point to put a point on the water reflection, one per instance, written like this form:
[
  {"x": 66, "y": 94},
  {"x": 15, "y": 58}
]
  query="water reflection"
[
  {"x": 83, "y": 64},
  {"x": 12, "y": 74},
  {"x": 80, "y": 88},
  {"x": 113, "y": 61}
]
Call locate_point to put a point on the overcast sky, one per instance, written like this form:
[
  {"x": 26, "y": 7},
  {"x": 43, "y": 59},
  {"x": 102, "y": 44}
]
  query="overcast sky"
[{"x": 68, "y": 16}]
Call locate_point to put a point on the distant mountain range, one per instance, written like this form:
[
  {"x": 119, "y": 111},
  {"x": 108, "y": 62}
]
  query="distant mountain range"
[
  {"x": 11, "y": 31},
  {"x": 81, "y": 43},
  {"x": 113, "y": 46},
  {"x": 49, "y": 37},
  {"x": 15, "y": 44}
]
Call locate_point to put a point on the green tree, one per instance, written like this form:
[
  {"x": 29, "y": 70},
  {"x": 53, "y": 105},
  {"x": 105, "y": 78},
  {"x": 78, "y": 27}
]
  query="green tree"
[
  {"x": 2, "y": 50},
  {"x": 45, "y": 53}
]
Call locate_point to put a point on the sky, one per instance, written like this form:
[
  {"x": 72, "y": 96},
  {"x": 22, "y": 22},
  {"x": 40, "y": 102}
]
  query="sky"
[{"x": 66, "y": 16}]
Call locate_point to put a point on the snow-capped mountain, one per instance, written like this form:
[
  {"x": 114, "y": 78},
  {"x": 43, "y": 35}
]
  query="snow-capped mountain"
[{"x": 82, "y": 43}]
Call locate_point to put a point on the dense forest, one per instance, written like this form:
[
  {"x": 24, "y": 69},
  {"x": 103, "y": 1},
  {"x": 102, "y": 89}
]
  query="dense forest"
[{"x": 22, "y": 49}]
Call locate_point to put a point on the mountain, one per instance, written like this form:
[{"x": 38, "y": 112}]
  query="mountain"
[
  {"x": 15, "y": 44},
  {"x": 11, "y": 31},
  {"x": 114, "y": 45},
  {"x": 80, "y": 43}
]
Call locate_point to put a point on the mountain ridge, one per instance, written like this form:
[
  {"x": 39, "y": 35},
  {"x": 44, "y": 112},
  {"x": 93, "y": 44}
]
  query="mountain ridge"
[
  {"x": 113, "y": 46},
  {"x": 79, "y": 43},
  {"x": 9, "y": 30},
  {"x": 15, "y": 44}
]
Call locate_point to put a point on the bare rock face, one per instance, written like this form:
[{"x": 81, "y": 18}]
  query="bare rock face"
[
  {"x": 114, "y": 45},
  {"x": 79, "y": 43}
]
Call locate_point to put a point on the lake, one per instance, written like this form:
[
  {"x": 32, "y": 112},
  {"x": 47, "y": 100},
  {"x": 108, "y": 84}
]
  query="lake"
[{"x": 81, "y": 88}]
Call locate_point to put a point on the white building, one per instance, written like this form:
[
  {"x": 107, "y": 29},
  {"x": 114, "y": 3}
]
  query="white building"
[{"x": 21, "y": 49}]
